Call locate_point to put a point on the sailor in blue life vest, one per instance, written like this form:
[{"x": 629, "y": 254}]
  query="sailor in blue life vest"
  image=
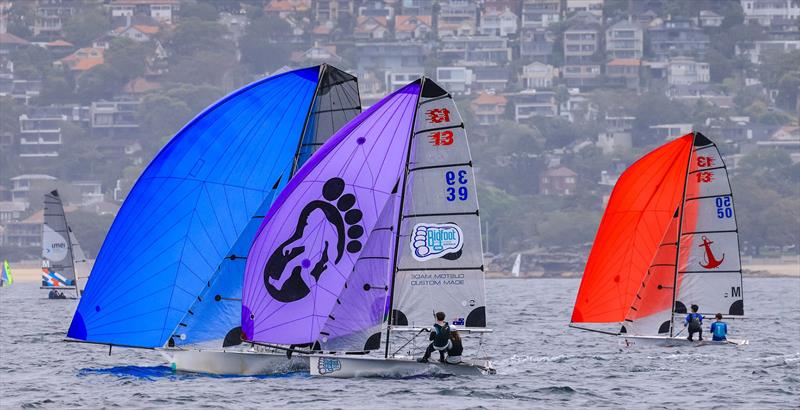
[
  {"x": 695, "y": 322},
  {"x": 719, "y": 329},
  {"x": 440, "y": 339}
]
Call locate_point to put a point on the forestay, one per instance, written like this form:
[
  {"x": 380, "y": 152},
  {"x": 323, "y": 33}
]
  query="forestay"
[
  {"x": 440, "y": 255},
  {"x": 214, "y": 318},
  {"x": 58, "y": 269},
  {"x": 189, "y": 207},
  {"x": 311, "y": 239}
]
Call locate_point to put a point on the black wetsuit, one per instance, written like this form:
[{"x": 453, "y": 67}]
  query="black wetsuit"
[
  {"x": 440, "y": 340},
  {"x": 455, "y": 351}
]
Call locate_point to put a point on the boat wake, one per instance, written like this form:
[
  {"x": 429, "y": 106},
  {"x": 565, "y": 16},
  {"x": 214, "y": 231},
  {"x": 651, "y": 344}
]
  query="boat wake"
[{"x": 154, "y": 373}]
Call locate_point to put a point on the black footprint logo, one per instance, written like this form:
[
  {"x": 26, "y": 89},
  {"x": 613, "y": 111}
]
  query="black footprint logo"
[{"x": 345, "y": 220}]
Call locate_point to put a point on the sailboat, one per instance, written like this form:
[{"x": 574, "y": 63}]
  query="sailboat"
[
  {"x": 668, "y": 240},
  {"x": 517, "y": 265},
  {"x": 379, "y": 230},
  {"x": 168, "y": 275},
  {"x": 62, "y": 256},
  {"x": 6, "y": 279}
]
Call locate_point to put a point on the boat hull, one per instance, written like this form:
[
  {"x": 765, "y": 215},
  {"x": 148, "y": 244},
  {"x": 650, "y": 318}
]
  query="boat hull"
[
  {"x": 364, "y": 366},
  {"x": 665, "y": 341},
  {"x": 233, "y": 363}
]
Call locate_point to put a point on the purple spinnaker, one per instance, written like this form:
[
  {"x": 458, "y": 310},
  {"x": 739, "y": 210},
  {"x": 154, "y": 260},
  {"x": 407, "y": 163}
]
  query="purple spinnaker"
[{"x": 314, "y": 233}]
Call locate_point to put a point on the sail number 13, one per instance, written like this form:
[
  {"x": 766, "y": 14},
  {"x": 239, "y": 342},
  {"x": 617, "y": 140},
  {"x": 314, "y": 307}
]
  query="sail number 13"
[
  {"x": 724, "y": 208},
  {"x": 457, "y": 188}
]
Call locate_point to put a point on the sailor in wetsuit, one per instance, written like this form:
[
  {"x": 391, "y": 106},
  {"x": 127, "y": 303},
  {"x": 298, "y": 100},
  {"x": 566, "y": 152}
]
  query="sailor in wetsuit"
[
  {"x": 695, "y": 322},
  {"x": 455, "y": 350},
  {"x": 719, "y": 329},
  {"x": 440, "y": 339}
]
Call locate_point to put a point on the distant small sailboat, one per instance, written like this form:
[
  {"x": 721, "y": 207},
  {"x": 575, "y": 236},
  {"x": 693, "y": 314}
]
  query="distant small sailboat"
[
  {"x": 377, "y": 231},
  {"x": 168, "y": 275},
  {"x": 517, "y": 264},
  {"x": 668, "y": 240},
  {"x": 62, "y": 256},
  {"x": 6, "y": 279}
]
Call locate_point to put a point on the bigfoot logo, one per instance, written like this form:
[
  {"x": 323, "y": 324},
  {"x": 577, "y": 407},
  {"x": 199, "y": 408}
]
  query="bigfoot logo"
[{"x": 284, "y": 279}]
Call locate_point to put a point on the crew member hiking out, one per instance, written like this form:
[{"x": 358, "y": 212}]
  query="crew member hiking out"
[
  {"x": 455, "y": 350},
  {"x": 695, "y": 322},
  {"x": 440, "y": 339},
  {"x": 719, "y": 329}
]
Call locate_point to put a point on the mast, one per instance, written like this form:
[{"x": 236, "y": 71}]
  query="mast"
[
  {"x": 678, "y": 246},
  {"x": 322, "y": 69},
  {"x": 400, "y": 214}
]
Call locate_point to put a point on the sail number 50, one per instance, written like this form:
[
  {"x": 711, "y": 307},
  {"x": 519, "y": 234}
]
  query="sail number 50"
[
  {"x": 458, "y": 185},
  {"x": 724, "y": 209}
]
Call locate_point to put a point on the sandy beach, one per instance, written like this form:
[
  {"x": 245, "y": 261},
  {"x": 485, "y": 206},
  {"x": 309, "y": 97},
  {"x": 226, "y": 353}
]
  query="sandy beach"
[{"x": 30, "y": 273}]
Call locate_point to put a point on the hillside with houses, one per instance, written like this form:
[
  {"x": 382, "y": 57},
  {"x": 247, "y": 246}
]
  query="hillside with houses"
[{"x": 559, "y": 97}]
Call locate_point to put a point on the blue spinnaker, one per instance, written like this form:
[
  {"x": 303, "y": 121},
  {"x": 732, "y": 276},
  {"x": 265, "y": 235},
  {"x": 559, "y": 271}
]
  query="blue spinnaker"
[
  {"x": 188, "y": 209},
  {"x": 213, "y": 320}
]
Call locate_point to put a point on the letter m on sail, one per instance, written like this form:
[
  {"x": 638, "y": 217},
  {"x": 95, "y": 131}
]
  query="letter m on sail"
[{"x": 736, "y": 291}]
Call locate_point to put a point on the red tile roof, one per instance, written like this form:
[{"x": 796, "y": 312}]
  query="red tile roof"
[
  {"x": 486, "y": 98},
  {"x": 8, "y": 38},
  {"x": 410, "y": 23},
  {"x": 628, "y": 62},
  {"x": 560, "y": 172}
]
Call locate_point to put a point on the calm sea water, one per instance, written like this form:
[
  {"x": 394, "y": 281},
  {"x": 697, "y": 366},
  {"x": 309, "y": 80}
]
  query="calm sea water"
[{"x": 541, "y": 364}]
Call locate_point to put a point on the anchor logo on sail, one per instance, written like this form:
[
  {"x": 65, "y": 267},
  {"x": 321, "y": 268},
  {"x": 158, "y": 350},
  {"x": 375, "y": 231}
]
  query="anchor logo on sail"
[{"x": 710, "y": 260}]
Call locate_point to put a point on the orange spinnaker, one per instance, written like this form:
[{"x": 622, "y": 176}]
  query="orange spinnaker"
[{"x": 638, "y": 214}]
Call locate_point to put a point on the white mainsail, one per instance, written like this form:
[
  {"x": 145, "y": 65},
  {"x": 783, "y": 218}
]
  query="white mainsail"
[
  {"x": 439, "y": 265},
  {"x": 517, "y": 264}
]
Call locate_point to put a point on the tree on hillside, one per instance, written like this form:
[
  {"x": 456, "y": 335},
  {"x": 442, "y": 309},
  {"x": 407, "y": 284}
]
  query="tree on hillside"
[
  {"x": 84, "y": 27},
  {"x": 99, "y": 82},
  {"x": 781, "y": 71},
  {"x": 204, "y": 67},
  {"x": 571, "y": 228},
  {"x": 31, "y": 63},
  {"x": 193, "y": 35},
  {"x": 58, "y": 87},
  {"x": 200, "y": 10},
  {"x": 90, "y": 229},
  {"x": 261, "y": 48},
  {"x": 196, "y": 97},
  {"x": 655, "y": 108},
  {"x": 127, "y": 58},
  {"x": 160, "y": 117},
  {"x": 19, "y": 18}
]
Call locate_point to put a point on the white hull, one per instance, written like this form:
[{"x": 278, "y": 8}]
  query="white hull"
[
  {"x": 342, "y": 366},
  {"x": 665, "y": 341},
  {"x": 233, "y": 363}
]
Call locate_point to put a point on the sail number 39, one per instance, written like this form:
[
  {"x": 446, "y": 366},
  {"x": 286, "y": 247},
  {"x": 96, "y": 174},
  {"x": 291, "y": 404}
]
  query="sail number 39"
[
  {"x": 457, "y": 188},
  {"x": 724, "y": 209}
]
